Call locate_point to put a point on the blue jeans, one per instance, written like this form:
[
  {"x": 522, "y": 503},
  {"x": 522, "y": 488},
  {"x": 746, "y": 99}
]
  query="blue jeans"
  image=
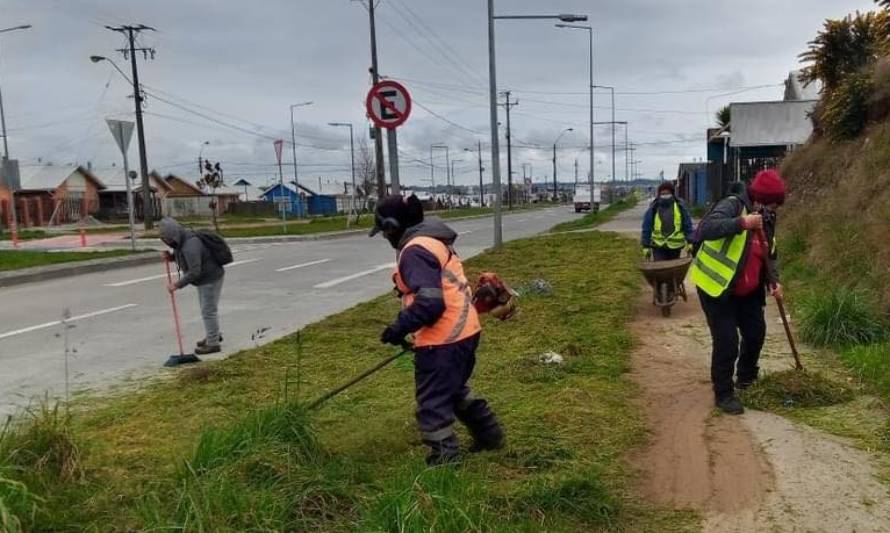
[{"x": 208, "y": 298}]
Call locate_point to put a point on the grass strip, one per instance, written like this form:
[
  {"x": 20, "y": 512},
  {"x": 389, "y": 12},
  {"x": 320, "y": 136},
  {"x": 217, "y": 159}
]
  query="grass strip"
[
  {"x": 592, "y": 220},
  {"x": 228, "y": 446},
  {"x": 19, "y": 259}
]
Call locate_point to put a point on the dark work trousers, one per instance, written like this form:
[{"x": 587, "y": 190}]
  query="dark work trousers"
[
  {"x": 729, "y": 316},
  {"x": 665, "y": 254},
  {"x": 441, "y": 374}
]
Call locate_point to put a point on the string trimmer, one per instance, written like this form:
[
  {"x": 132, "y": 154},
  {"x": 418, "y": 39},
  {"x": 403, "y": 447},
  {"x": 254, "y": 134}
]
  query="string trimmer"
[{"x": 361, "y": 377}]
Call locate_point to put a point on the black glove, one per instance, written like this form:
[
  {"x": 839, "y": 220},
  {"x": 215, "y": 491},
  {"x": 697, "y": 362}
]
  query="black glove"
[{"x": 392, "y": 335}]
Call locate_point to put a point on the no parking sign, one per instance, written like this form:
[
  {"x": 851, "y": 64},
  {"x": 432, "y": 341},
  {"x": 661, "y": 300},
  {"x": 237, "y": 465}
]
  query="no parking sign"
[{"x": 388, "y": 104}]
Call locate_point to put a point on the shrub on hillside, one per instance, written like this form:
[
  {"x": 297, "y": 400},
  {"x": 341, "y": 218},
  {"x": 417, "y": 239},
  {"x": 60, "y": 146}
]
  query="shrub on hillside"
[{"x": 839, "y": 318}]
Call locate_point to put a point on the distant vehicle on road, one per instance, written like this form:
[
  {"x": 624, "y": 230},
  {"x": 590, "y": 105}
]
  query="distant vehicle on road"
[{"x": 582, "y": 198}]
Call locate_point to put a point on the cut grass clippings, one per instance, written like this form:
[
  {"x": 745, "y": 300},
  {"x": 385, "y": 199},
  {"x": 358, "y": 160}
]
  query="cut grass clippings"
[
  {"x": 18, "y": 259},
  {"x": 228, "y": 450},
  {"x": 592, "y": 220},
  {"x": 796, "y": 389}
]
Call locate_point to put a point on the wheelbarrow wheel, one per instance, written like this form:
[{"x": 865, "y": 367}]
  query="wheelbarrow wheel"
[{"x": 665, "y": 299}]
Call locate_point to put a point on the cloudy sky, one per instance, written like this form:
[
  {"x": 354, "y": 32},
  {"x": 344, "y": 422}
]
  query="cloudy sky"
[{"x": 226, "y": 71}]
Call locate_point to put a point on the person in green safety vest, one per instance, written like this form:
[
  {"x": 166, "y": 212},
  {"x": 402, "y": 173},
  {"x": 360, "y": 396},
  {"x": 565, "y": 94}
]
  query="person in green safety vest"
[
  {"x": 667, "y": 226},
  {"x": 734, "y": 268}
]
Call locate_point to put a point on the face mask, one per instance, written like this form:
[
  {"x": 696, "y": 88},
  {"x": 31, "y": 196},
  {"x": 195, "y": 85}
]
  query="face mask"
[{"x": 665, "y": 197}]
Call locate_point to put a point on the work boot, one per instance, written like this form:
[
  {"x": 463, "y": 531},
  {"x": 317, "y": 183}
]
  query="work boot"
[
  {"x": 481, "y": 421},
  {"x": 730, "y": 405},
  {"x": 744, "y": 384},
  {"x": 491, "y": 440},
  {"x": 203, "y": 342},
  {"x": 446, "y": 450},
  {"x": 206, "y": 349}
]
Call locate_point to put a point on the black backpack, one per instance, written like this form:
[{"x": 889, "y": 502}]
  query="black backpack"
[{"x": 219, "y": 250}]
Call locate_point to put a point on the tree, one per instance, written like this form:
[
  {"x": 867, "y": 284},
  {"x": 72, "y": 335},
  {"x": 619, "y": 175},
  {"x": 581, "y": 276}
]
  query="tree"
[
  {"x": 365, "y": 170},
  {"x": 843, "y": 48},
  {"x": 723, "y": 116},
  {"x": 212, "y": 179}
]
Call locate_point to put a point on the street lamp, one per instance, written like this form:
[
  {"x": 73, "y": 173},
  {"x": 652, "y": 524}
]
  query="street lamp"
[
  {"x": 6, "y": 167},
  {"x": 493, "y": 103},
  {"x": 555, "y": 192},
  {"x": 481, "y": 169},
  {"x": 293, "y": 141},
  {"x": 140, "y": 134},
  {"x": 352, "y": 159},
  {"x": 612, "y": 89},
  {"x": 432, "y": 165},
  {"x": 589, "y": 29},
  {"x": 453, "y": 178}
]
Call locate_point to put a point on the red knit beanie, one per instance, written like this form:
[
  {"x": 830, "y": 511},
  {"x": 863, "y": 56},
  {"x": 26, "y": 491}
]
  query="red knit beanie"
[{"x": 767, "y": 188}]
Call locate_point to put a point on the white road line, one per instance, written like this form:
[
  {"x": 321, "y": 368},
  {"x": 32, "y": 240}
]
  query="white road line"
[
  {"x": 344, "y": 279},
  {"x": 466, "y": 232},
  {"x": 520, "y": 220},
  {"x": 135, "y": 281},
  {"x": 72, "y": 319},
  {"x": 304, "y": 265},
  {"x": 159, "y": 276}
]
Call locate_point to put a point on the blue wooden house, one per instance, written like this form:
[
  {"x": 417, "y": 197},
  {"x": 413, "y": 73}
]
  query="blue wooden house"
[{"x": 286, "y": 195}]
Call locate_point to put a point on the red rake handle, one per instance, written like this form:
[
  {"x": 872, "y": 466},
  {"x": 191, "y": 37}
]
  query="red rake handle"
[{"x": 173, "y": 302}]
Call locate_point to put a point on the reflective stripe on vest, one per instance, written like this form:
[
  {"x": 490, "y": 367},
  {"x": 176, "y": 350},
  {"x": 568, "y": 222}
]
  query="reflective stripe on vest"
[
  {"x": 460, "y": 320},
  {"x": 675, "y": 240},
  {"x": 717, "y": 261}
]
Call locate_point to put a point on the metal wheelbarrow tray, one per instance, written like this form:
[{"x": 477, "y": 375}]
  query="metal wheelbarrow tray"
[{"x": 666, "y": 279}]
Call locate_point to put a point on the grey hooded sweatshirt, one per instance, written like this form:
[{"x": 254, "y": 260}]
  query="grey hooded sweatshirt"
[{"x": 194, "y": 259}]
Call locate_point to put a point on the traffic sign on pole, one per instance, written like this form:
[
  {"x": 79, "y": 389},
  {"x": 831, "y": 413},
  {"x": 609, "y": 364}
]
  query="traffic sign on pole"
[
  {"x": 122, "y": 131},
  {"x": 388, "y": 104}
]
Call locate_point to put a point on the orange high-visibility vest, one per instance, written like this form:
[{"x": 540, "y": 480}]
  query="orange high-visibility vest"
[{"x": 460, "y": 320}]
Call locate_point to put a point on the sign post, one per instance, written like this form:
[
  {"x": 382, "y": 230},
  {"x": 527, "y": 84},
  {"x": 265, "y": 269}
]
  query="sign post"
[
  {"x": 279, "y": 144},
  {"x": 122, "y": 131},
  {"x": 389, "y": 105}
]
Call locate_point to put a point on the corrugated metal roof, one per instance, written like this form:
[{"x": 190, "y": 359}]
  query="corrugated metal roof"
[
  {"x": 114, "y": 181},
  {"x": 49, "y": 177},
  {"x": 771, "y": 123}
]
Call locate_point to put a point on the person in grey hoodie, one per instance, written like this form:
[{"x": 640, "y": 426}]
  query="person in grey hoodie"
[{"x": 198, "y": 268}]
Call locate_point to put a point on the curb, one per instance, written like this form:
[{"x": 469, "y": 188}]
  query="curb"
[{"x": 44, "y": 273}]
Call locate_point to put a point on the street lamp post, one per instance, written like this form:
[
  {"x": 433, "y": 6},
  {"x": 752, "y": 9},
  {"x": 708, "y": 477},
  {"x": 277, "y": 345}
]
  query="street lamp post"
[
  {"x": 6, "y": 165},
  {"x": 589, "y": 29},
  {"x": 293, "y": 142},
  {"x": 451, "y": 188},
  {"x": 493, "y": 104},
  {"x": 481, "y": 169},
  {"x": 555, "y": 191},
  {"x": 352, "y": 209},
  {"x": 612, "y": 90},
  {"x": 447, "y": 170}
]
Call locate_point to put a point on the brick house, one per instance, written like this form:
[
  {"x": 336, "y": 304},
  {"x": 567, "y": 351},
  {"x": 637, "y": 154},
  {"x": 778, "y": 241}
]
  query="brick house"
[{"x": 56, "y": 194}]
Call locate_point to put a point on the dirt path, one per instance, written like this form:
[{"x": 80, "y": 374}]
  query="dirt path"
[{"x": 755, "y": 472}]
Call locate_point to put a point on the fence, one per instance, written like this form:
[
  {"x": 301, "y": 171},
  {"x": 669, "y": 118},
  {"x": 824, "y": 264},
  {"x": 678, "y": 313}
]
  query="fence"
[
  {"x": 187, "y": 206},
  {"x": 254, "y": 209}
]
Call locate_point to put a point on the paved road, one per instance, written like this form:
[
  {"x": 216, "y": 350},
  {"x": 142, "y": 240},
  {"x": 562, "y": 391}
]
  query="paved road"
[{"x": 121, "y": 325}]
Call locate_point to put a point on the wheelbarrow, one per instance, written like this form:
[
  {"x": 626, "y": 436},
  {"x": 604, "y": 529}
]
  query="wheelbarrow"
[{"x": 666, "y": 279}]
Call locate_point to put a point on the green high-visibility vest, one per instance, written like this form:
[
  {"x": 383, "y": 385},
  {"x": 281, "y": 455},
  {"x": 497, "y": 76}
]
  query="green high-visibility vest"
[
  {"x": 675, "y": 240},
  {"x": 717, "y": 261}
]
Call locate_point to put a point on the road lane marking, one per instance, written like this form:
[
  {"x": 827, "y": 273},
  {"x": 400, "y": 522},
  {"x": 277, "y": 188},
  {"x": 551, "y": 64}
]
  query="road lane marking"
[
  {"x": 520, "y": 220},
  {"x": 160, "y": 276},
  {"x": 344, "y": 279},
  {"x": 72, "y": 319},
  {"x": 466, "y": 232},
  {"x": 304, "y": 265}
]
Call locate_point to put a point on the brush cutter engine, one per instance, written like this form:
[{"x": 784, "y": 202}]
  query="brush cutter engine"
[{"x": 494, "y": 296}]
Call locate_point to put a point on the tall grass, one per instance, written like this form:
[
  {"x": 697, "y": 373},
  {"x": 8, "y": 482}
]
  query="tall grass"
[
  {"x": 420, "y": 500},
  {"x": 838, "y": 318},
  {"x": 871, "y": 364},
  {"x": 580, "y": 495}
]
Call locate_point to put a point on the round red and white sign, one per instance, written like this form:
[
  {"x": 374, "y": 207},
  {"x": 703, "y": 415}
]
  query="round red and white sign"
[{"x": 388, "y": 104}]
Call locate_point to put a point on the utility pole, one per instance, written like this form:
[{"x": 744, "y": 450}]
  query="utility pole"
[
  {"x": 131, "y": 32},
  {"x": 509, "y": 105},
  {"x": 378, "y": 133},
  {"x": 576, "y": 173},
  {"x": 481, "y": 185}
]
